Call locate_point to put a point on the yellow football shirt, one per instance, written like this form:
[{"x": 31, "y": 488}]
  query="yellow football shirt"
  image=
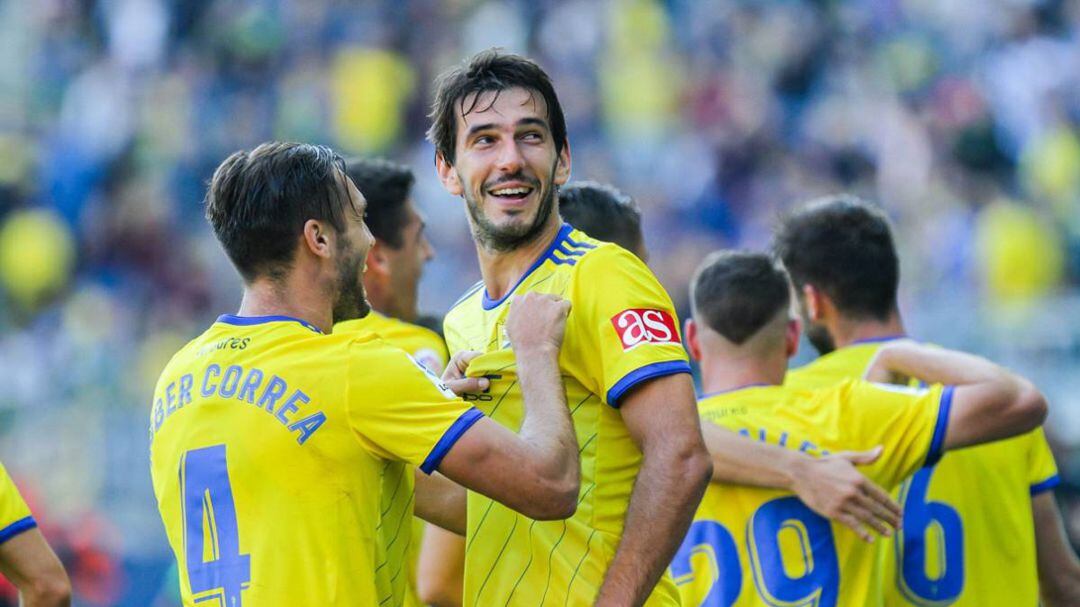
[
  {"x": 763, "y": 547},
  {"x": 621, "y": 331},
  {"x": 967, "y": 537},
  {"x": 401, "y": 532},
  {"x": 269, "y": 441},
  {"x": 15, "y": 516}
]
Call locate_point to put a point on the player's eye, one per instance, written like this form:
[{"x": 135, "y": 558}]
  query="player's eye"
[
  {"x": 483, "y": 140},
  {"x": 533, "y": 137}
]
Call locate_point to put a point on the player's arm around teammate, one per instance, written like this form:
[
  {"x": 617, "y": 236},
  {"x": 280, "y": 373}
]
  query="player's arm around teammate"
[
  {"x": 537, "y": 472},
  {"x": 988, "y": 402}
]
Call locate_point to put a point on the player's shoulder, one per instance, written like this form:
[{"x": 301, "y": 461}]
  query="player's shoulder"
[
  {"x": 587, "y": 254},
  {"x": 459, "y": 307}
]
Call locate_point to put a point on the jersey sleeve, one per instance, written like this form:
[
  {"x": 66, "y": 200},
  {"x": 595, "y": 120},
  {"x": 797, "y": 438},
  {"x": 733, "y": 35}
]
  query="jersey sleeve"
[
  {"x": 909, "y": 423},
  {"x": 1042, "y": 470},
  {"x": 15, "y": 516},
  {"x": 431, "y": 352},
  {"x": 400, "y": 410},
  {"x": 624, "y": 325}
]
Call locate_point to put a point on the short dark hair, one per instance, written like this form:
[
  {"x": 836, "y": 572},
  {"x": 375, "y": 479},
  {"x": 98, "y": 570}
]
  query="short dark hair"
[
  {"x": 842, "y": 245},
  {"x": 386, "y": 186},
  {"x": 488, "y": 71},
  {"x": 259, "y": 201},
  {"x": 603, "y": 212},
  {"x": 736, "y": 293}
]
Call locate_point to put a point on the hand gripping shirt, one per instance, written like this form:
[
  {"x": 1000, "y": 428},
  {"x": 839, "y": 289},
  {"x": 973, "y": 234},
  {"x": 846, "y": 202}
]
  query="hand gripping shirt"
[
  {"x": 269, "y": 441},
  {"x": 400, "y": 531},
  {"x": 967, "y": 537},
  {"x": 753, "y": 547},
  {"x": 621, "y": 331}
]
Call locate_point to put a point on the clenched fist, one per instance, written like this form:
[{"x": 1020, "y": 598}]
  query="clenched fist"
[{"x": 536, "y": 322}]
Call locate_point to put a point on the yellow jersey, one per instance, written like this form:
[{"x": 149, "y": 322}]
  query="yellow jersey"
[
  {"x": 15, "y": 516},
  {"x": 401, "y": 532},
  {"x": 967, "y": 537},
  {"x": 269, "y": 442},
  {"x": 621, "y": 331},
  {"x": 753, "y": 547}
]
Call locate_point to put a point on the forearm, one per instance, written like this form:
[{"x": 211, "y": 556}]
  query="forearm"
[
  {"x": 738, "y": 460},
  {"x": 1059, "y": 568},
  {"x": 441, "y": 569},
  {"x": 440, "y": 501},
  {"x": 547, "y": 427},
  {"x": 662, "y": 505}
]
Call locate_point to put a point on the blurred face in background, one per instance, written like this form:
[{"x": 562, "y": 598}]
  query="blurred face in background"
[
  {"x": 506, "y": 167},
  {"x": 400, "y": 268},
  {"x": 352, "y": 246}
]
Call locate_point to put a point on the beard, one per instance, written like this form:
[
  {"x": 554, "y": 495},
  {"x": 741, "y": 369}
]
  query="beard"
[
  {"x": 351, "y": 301},
  {"x": 508, "y": 238},
  {"x": 819, "y": 337}
]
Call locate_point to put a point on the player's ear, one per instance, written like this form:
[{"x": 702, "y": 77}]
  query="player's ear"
[
  {"x": 378, "y": 261},
  {"x": 815, "y": 306},
  {"x": 693, "y": 345},
  {"x": 317, "y": 238},
  {"x": 447, "y": 175},
  {"x": 791, "y": 337},
  {"x": 562, "y": 165}
]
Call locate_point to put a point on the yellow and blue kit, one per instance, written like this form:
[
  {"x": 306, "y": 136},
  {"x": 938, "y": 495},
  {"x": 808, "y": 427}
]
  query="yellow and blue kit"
[
  {"x": 269, "y": 442},
  {"x": 401, "y": 532},
  {"x": 15, "y": 516},
  {"x": 967, "y": 537},
  {"x": 759, "y": 547},
  {"x": 621, "y": 331}
]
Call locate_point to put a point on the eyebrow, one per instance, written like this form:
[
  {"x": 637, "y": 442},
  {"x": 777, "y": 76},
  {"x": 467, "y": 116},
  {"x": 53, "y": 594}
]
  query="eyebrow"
[{"x": 491, "y": 125}]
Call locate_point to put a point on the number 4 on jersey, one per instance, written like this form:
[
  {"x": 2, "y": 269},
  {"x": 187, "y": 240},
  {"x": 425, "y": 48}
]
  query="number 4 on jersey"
[{"x": 211, "y": 537}]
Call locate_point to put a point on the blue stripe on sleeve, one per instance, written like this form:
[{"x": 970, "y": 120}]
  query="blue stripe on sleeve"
[
  {"x": 1046, "y": 485},
  {"x": 23, "y": 524},
  {"x": 641, "y": 374},
  {"x": 451, "y": 436},
  {"x": 938, "y": 440}
]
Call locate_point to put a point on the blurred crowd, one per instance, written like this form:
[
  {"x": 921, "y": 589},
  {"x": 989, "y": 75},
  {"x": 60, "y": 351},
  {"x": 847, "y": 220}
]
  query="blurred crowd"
[{"x": 961, "y": 118}]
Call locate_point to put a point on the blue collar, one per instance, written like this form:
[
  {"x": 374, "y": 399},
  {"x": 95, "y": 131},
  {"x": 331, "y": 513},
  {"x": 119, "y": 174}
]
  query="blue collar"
[
  {"x": 735, "y": 389},
  {"x": 244, "y": 321},
  {"x": 876, "y": 340},
  {"x": 564, "y": 233}
]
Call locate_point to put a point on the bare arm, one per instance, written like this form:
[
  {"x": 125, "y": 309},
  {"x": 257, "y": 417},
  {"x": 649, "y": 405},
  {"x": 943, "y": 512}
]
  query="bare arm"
[
  {"x": 662, "y": 418},
  {"x": 989, "y": 402},
  {"x": 829, "y": 485},
  {"x": 440, "y": 501},
  {"x": 27, "y": 561},
  {"x": 536, "y": 471},
  {"x": 1059, "y": 569},
  {"x": 441, "y": 571}
]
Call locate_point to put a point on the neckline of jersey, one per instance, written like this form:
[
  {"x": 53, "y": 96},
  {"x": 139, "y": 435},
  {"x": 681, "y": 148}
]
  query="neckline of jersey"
[
  {"x": 245, "y": 321},
  {"x": 489, "y": 304},
  {"x": 877, "y": 340},
  {"x": 736, "y": 389}
]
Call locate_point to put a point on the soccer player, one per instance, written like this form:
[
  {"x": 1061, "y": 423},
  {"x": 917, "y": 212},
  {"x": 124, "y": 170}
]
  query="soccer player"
[
  {"x": 953, "y": 548},
  {"x": 605, "y": 213},
  {"x": 25, "y": 557},
  {"x": 391, "y": 280},
  {"x": 752, "y": 546},
  {"x": 269, "y": 433},
  {"x": 500, "y": 140}
]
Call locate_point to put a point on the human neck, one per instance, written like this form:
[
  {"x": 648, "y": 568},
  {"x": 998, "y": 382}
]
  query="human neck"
[
  {"x": 726, "y": 373},
  {"x": 846, "y": 331},
  {"x": 380, "y": 300},
  {"x": 502, "y": 269},
  {"x": 264, "y": 297}
]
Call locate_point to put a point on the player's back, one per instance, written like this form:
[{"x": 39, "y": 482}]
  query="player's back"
[
  {"x": 756, "y": 547},
  {"x": 967, "y": 537},
  {"x": 621, "y": 330},
  {"x": 268, "y": 442}
]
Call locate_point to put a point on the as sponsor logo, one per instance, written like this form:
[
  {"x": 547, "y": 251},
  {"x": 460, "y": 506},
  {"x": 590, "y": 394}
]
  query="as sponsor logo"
[{"x": 639, "y": 326}]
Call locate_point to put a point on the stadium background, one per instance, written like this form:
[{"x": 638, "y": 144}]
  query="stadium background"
[{"x": 961, "y": 118}]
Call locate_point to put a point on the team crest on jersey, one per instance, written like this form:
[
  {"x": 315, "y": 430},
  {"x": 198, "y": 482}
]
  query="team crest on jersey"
[{"x": 638, "y": 326}]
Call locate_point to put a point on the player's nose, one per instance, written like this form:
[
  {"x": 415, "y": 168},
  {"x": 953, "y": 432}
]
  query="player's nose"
[{"x": 510, "y": 160}]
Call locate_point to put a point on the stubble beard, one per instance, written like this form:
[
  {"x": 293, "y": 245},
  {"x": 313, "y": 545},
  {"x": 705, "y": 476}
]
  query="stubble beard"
[
  {"x": 351, "y": 301},
  {"x": 505, "y": 239}
]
